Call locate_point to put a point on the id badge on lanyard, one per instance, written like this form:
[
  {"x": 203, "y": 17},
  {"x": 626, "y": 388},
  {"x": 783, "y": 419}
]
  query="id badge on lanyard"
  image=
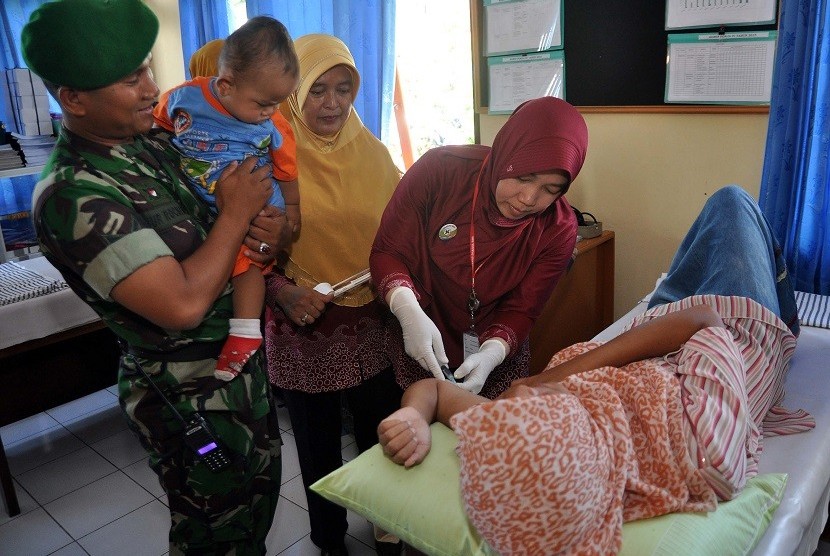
[
  {"x": 470, "y": 339},
  {"x": 470, "y": 342}
]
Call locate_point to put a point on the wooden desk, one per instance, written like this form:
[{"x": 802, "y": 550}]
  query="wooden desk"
[
  {"x": 47, "y": 372},
  {"x": 53, "y": 349},
  {"x": 581, "y": 306},
  {"x": 51, "y": 354}
]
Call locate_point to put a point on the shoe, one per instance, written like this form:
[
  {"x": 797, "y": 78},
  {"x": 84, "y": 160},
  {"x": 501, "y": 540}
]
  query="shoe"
[
  {"x": 339, "y": 551},
  {"x": 389, "y": 548}
]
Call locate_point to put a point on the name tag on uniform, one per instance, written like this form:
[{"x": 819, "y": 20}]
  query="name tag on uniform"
[{"x": 470, "y": 341}]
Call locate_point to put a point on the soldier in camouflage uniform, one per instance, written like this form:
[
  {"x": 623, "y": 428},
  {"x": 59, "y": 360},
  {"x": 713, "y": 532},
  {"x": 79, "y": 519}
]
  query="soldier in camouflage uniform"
[{"x": 114, "y": 215}]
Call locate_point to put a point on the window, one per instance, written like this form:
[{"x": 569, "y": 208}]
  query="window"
[
  {"x": 435, "y": 73},
  {"x": 237, "y": 14}
]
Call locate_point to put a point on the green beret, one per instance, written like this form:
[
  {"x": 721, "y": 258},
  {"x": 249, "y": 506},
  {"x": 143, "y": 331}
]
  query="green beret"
[{"x": 87, "y": 44}]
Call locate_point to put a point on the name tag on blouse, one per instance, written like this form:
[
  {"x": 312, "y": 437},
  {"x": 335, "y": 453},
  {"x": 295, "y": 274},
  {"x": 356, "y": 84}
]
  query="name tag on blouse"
[{"x": 470, "y": 342}]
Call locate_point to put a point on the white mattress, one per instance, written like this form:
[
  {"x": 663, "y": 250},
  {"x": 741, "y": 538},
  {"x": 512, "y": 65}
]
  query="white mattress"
[
  {"x": 805, "y": 457},
  {"x": 45, "y": 315}
]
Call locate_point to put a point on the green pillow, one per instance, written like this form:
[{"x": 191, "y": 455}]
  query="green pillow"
[
  {"x": 423, "y": 506},
  {"x": 734, "y": 528}
]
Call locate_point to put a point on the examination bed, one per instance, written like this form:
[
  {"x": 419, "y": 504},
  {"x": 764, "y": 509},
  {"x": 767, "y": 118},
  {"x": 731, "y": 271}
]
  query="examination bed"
[{"x": 781, "y": 512}]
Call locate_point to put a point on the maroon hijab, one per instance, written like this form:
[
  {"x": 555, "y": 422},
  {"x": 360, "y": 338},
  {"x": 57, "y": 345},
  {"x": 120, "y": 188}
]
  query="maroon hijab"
[{"x": 541, "y": 135}]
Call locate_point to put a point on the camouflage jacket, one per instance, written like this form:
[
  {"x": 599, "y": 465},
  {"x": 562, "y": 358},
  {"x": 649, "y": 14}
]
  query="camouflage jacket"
[{"x": 103, "y": 212}]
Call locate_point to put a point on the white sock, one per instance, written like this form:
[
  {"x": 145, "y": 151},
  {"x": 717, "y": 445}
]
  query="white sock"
[{"x": 245, "y": 328}]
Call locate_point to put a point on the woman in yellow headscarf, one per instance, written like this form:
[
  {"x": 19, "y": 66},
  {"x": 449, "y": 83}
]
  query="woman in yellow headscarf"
[
  {"x": 323, "y": 349},
  {"x": 205, "y": 61}
]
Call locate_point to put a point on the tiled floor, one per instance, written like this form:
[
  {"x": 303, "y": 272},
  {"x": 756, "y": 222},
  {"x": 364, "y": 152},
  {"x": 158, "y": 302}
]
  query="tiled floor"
[{"x": 85, "y": 488}]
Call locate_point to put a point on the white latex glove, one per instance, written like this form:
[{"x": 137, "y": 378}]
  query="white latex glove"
[
  {"x": 478, "y": 366},
  {"x": 421, "y": 338}
]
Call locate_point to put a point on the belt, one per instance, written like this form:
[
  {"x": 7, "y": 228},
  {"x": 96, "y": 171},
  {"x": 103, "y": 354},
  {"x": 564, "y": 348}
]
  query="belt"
[{"x": 196, "y": 351}]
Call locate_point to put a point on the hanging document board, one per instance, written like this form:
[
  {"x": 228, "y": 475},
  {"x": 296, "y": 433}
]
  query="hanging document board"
[
  {"x": 514, "y": 26},
  {"x": 734, "y": 68},
  {"x": 516, "y": 79},
  {"x": 686, "y": 14}
]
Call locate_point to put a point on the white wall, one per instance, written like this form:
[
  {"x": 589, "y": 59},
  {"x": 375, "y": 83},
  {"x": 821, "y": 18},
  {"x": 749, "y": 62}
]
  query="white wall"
[{"x": 167, "y": 63}]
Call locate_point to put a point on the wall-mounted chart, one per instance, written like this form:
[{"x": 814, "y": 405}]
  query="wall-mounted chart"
[
  {"x": 732, "y": 68},
  {"x": 687, "y": 14}
]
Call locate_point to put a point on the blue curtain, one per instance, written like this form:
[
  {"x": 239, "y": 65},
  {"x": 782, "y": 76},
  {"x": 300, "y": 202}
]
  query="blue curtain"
[
  {"x": 368, "y": 29},
  {"x": 15, "y": 193},
  {"x": 795, "y": 184},
  {"x": 201, "y": 21}
]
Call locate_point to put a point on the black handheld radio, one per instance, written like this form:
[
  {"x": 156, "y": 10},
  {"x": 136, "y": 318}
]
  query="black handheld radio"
[
  {"x": 199, "y": 437},
  {"x": 197, "y": 433}
]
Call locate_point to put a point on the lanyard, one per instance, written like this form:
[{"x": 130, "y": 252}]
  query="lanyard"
[{"x": 473, "y": 303}]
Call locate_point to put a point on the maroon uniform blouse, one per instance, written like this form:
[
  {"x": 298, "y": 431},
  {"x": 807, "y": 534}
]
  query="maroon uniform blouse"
[{"x": 424, "y": 237}]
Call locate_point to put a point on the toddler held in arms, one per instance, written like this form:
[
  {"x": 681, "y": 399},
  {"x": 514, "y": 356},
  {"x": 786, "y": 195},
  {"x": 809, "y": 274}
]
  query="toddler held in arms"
[{"x": 218, "y": 122}]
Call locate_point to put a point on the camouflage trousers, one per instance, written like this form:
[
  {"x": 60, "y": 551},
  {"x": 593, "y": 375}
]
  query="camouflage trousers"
[{"x": 224, "y": 512}]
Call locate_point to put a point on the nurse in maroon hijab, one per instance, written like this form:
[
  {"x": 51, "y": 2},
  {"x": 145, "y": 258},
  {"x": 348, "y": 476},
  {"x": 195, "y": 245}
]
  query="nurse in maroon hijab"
[{"x": 472, "y": 244}]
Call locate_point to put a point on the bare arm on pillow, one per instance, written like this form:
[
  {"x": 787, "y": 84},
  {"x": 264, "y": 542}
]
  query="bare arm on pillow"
[
  {"x": 654, "y": 338},
  {"x": 405, "y": 435}
]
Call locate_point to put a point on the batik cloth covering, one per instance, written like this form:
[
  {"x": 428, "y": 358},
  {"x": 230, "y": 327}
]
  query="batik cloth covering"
[
  {"x": 576, "y": 460},
  {"x": 656, "y": 436}
]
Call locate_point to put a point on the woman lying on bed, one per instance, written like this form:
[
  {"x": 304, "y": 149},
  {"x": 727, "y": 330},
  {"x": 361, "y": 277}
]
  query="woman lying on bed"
[{"x": 669, "y": 416}]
